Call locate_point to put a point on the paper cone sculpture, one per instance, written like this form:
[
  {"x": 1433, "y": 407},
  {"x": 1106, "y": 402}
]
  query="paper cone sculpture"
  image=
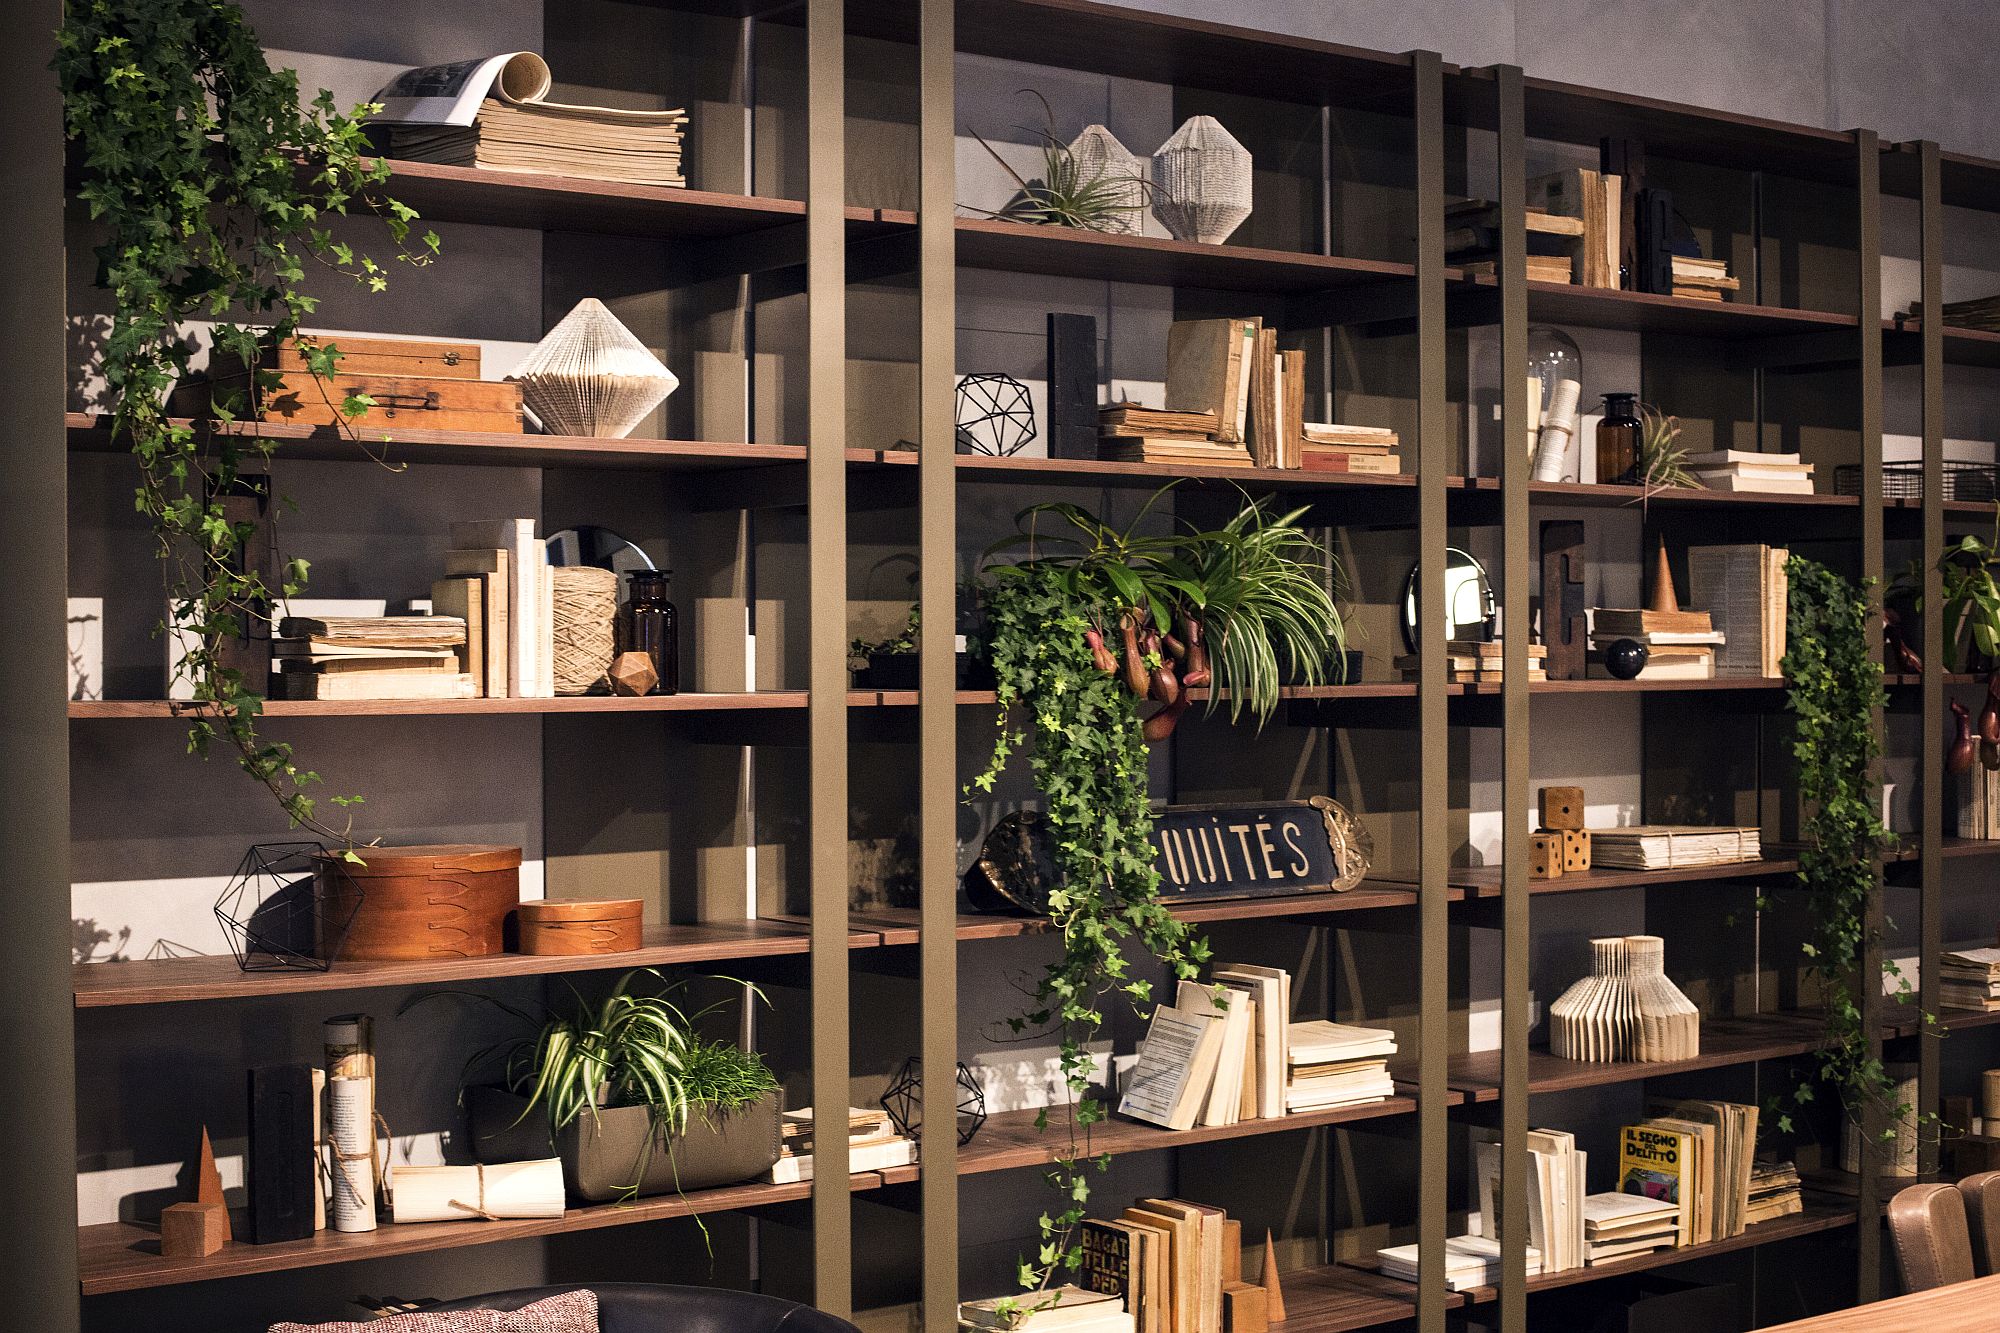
[
  {"x": 1100, "y": 158},
  {"x": 591, "y": 376},
  {"x": 1201, "y": 182}
]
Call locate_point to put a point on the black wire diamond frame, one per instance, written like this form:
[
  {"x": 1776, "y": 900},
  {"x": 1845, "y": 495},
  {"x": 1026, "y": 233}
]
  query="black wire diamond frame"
[
  {"x": 271, "y": 913},
  {"x": 994, "y": 415},
  {"x": 904, "y": 1101}
]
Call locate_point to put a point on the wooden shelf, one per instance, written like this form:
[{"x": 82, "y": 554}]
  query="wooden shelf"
[
  {"x": 100, "y": 709},
  {"x": 1479, "y": 882},
  {"x": 1647, "y": 312},
  {"x": 1016, "y": 247},
  {"x": 1009, "y": 1139},
  {"x": 1339, "y": 1298},
  {"x": 121, "y": 1256},
  {"x": 1724, "y": 1042}
]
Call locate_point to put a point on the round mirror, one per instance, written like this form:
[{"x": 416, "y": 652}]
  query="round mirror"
[
  {"x": 1468, "y": 600},
  {"x": 585, "y": 545}
]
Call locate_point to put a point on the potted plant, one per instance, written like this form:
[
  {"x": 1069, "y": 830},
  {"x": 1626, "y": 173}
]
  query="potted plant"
[
  {"x": 631, "y": 1097},
  {"x": 888, "y": 664}
]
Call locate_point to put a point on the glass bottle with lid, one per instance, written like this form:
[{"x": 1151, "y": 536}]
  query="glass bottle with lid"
[
  {"x": 1618, "y": 440},
  {"x": 649, "y": 624}
]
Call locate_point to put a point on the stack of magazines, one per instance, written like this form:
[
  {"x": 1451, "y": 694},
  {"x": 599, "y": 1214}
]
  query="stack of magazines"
[{"x": 495, "y": 114}]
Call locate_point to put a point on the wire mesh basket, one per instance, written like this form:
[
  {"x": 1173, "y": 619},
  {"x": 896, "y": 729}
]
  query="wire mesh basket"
[{"x": 1905, "y": 481}]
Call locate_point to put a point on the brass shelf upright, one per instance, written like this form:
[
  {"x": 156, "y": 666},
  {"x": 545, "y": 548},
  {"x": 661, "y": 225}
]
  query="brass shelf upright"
[
  {"x": 1931, "y": 776},
  {"x": 1517, "y": 556},
  {"x": 937, "y": 705},
  {"x": 826, "y": 596},
  {"x": 1434, "y": 755}
]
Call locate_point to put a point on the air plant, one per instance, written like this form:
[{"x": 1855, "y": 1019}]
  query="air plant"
[
  {"x": 1662, "y": 457},
  {"x": 1063, "y": 196}
]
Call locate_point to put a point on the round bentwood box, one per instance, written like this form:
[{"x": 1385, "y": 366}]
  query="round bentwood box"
[
  {"x": 610, "y": 926},
  {"x": 414, "y": 903}
]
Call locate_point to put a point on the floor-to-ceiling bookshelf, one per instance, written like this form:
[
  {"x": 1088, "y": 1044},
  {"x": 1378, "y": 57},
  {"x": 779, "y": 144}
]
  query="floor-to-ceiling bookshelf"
[{"x": 1802, "y": 354}]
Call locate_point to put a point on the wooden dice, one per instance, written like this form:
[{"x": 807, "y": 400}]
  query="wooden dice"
[
  {"x": 1575, "y": 850},
  {"x": 1562, "y": 808},
  {"x": 1545, "y": 855}
]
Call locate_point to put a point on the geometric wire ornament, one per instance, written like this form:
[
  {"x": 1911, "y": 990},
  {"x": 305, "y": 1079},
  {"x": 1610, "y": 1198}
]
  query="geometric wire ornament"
[
  {"x": 270, "y": 912},
  {"x": 994, "y": 415},
  {"x": 904, "y": 1101}
]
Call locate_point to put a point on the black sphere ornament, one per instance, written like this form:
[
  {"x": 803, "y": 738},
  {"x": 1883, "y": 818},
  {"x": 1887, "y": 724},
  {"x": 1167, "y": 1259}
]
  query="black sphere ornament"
[
  {"x": 994, "y": 415},
  {"x": 1624, "y": 659},
  {"x": 904, "y": 1101}
]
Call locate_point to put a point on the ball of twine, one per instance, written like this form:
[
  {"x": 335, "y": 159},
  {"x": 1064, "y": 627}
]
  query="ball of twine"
[{"x": 586, "y": 607}]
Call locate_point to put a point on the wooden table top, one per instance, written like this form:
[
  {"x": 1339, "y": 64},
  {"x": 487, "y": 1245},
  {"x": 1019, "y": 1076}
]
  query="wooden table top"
[{"x": 1974, "y": 1304}]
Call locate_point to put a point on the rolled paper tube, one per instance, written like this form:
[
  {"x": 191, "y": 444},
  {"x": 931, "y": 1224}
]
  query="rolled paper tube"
[
  {"x": 351, "y": 1133},
  {"x": 476, "y": 1193},
  {"x": 1552, "y": 452}
]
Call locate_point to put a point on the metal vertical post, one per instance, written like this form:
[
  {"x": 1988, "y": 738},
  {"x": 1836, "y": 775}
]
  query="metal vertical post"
[
  {"x": 826, "y": 595},
  {"x": 1433, "y": 773},
  {"x": 1868, "y": 985},
  {"x": 937, "y": 706},
  {"x": 1930, "y": 780},
  {"x": 1517, "y": 556},
  {"x": 38, "y": 1128}
]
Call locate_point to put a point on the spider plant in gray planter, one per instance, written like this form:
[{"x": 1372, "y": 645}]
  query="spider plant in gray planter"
[{"x": 631, "y": 1097}]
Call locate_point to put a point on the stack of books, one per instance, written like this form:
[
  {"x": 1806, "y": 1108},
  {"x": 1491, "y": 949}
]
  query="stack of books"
[
  {"x": 1595, "y": 199},
  {"x": 1970, "y": 979},
  {"x": 370, "y": 657},
  {"x": 1983, "y": 313},
  {"x": 1749, "y": 470},
  {"x": 1331, "y": 447},
  {"x": 1068, "y": 1309},
  {"x": 1337, "y": 1064},
  {"x": 1680, "y": 645},
  {"x": 1129, "y": 433},
  {"x": 1556, "y": 1173},
  {"x": 1976, "y": 803},
  {"x": 1774, "y": 1192},
  {"x": 1472, "y": 240},
  {"x": 595, "y": 142},
  {"x": 1177, "y": 1265},
  {"x": 1696, "y": 1155},
  {"x": 872, "y": 1145},
  {"x": 1617, "y": 1225},
  {"x": 1673, "y": 847},
  {"x": 1216, "y": 1055},
  {"x": 1469, "y": 1261},
  {"x": 497, "y": 577},
  {"x": 1745, "y": 591},
  {"x": 1476, "y": 661},
  {"x": 1702, "y": 279}
]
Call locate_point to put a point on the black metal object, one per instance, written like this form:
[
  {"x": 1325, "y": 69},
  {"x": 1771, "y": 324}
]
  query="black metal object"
[
  {"x": 272, "y": 916},
  {"x": 904, "y": 1101},
  {"x": 1072, "y": 386},
  {"x": 1961, "y": 480},
  {"x": 994, "y": 415}
]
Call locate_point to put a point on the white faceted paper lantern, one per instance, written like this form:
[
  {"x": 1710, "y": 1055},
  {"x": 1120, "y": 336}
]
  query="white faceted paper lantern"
[
  {"x": 1100, "y": 157},
  {"x": 591, "y": 376},
  {"x": 1201, "y": 182}
]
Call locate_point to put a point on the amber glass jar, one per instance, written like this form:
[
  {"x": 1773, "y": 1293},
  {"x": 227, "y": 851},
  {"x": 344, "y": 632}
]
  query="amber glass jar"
[
  {"x": 1618, "y": 440},
  {"x": 649, "y": 624}
]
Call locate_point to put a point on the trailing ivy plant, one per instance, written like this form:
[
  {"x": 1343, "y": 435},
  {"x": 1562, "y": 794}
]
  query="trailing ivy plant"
[
  {"x": 1255, "y": 592},
  {"x": 216, "y": 192},
  {"x": 1834, "y": 691}
]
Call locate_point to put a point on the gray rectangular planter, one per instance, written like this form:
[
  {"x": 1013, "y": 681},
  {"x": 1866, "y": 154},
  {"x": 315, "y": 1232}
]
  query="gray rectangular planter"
[{"x": 605, "y": 1155}]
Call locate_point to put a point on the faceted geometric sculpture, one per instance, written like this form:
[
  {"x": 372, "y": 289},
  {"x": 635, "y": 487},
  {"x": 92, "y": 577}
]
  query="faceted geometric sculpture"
[
  {"x": 271, "y": 914},
  {"x": 1201, "y": 182},
  {"x": 904, "y": 1101},
  {"x": 994, "y": 415},
  {"x": 1101, "y": 158},
  {"x": 591, "y": 376},
  {"x": 632, "y": 674}
]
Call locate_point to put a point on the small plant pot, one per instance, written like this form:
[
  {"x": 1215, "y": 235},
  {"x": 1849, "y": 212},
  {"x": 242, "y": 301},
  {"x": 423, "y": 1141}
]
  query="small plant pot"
[{"x": 618, "y": 1153}]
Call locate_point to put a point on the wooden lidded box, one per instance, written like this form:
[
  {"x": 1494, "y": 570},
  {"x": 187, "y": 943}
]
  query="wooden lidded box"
[
  {"x": 415, "y": 383},
  {"x": 611, "y": 926},
  {"x": 416, "y": 903}
]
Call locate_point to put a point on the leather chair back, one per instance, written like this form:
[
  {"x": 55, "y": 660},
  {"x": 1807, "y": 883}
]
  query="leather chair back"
[
  {"x": 1982, "y": 1219},
  {"x": 646, "y": 1307},
  {"x": 1933, "y": 1247}
]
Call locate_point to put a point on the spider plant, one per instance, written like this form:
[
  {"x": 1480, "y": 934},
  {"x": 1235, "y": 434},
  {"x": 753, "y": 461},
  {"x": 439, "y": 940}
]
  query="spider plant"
[
  {"x": 1062, "y": 196},
  {"x": 1662, "y": 456}
]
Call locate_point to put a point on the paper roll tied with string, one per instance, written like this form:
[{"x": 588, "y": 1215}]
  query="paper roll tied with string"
[
  {"x": 585, "y": 613},
  {"x": 488, "y": 1193}
]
